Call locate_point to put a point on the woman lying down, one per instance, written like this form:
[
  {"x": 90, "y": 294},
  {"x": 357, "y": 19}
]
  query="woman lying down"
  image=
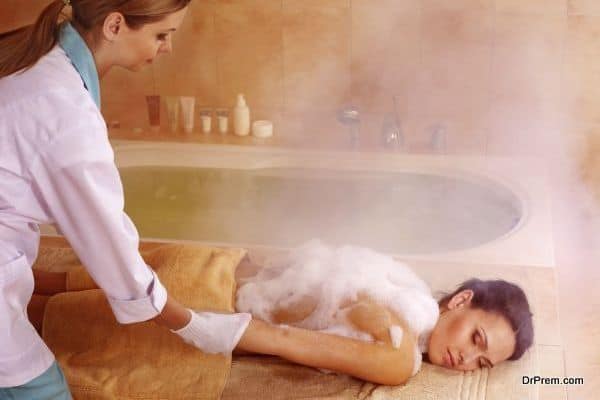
[{"x": 355, "y": 311}]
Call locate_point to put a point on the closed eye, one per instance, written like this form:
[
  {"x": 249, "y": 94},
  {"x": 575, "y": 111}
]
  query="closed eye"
[
  {"x": 480, "y": 339},
  {"x": 477, "y": 338}
]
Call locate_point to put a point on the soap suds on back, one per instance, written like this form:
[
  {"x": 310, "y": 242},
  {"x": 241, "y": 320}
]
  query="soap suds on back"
[{"x": 334, "y": 276}]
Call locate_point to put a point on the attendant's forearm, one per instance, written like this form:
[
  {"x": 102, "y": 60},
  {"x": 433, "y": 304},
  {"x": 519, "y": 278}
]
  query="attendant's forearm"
[
  {"x": 173, "y": 316},
  {"x": 369, "y": 361}
]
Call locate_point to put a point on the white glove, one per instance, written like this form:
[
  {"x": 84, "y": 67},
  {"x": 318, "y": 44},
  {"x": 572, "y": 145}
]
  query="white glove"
[{"x": 215, "y": 333}]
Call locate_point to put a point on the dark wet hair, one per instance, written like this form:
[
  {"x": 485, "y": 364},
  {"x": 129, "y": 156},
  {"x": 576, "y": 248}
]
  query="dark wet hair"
[{"x": 506, "y": 299}]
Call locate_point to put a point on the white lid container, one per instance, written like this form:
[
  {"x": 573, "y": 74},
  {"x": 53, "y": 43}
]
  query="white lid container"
[{"x": 262, "y": 129}]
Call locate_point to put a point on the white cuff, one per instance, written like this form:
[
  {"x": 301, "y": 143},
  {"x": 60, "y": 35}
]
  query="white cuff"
[{"x": 143, "y": 309}]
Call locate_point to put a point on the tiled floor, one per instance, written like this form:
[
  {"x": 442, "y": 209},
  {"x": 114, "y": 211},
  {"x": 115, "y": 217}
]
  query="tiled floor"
[
  {"x": 548, "y": 332},
  {"x": 577, "y": 248},
  {"x": 579, "y": 302},
  {"x": 568, "y": 321}
]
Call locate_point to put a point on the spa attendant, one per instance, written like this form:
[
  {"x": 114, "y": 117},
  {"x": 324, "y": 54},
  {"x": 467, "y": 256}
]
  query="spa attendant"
[{"x": 56, "y": 166}]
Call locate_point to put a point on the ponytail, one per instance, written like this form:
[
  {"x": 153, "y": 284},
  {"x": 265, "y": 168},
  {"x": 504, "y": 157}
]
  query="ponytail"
[{"x": 23, "y": 47}]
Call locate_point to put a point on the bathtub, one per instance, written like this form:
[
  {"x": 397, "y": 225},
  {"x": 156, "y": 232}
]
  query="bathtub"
[{"x": 333, "y": 207}]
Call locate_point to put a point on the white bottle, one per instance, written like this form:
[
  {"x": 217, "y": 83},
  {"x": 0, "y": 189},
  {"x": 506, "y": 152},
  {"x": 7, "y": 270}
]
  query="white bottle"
[{"x": 241, "y": 117}]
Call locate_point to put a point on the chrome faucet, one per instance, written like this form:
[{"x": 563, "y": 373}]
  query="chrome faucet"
[
  {"x": 438, "y": 138},
  {"x": 391, "y": 134},
  {"x": 350, "y": 117}
]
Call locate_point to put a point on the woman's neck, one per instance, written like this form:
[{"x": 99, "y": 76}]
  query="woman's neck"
[{"x": 101, "y": 57}]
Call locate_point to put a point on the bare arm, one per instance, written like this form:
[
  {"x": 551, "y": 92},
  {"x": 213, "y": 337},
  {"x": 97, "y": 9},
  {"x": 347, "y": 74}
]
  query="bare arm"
[{"x": 379, "y": 363}]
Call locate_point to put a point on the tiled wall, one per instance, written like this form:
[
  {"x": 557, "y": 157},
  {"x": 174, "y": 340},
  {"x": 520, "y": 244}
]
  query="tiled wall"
[{"x": 504, "y": 76}]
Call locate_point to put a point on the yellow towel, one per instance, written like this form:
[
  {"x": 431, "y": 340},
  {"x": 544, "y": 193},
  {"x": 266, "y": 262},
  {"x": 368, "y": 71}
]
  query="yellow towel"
[{"x": 105, "y": 360}]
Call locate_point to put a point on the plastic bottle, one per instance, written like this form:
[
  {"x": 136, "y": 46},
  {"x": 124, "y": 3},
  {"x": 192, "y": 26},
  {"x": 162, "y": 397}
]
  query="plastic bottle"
[{"x": 241, "y": 117}]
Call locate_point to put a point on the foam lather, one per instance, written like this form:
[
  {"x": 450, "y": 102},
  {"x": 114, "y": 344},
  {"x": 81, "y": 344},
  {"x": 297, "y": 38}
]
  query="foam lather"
[{"x": 328, "y": 279}]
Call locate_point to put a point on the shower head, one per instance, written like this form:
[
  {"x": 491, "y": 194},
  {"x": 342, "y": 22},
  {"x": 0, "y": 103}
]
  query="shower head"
[{"x": 348, "y": 115}]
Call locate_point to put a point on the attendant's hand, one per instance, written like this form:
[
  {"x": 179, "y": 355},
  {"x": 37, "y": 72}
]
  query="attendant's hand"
[{"x": 213, "y": 332}]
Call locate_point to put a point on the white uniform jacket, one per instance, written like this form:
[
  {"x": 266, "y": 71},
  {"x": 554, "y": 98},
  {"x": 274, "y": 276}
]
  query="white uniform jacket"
[{"x": 57, "y": 167}]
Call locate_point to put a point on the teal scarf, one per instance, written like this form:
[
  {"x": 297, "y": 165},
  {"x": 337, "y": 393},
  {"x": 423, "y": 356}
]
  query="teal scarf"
[{"x": 82, "y": 59}]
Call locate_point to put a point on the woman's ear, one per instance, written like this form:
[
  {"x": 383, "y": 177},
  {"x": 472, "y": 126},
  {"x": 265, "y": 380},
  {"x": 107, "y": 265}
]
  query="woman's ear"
[
  {"x": 460, "y": 299},
  {"x": 113, "y": 24}
]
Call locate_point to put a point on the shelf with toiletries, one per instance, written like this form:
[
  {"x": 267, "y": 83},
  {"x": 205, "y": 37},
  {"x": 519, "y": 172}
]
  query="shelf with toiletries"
[{"x": 182, "y": 118}]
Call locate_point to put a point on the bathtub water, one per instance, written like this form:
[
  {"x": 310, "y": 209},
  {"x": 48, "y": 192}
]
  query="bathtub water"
[
  {"x": 399, "y": 212},
  {"x": 446, "y": 208}
]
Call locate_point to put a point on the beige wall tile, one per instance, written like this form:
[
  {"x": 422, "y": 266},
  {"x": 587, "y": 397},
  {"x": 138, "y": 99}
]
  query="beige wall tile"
[
  {"x": 249, "y": 56},
  {"x": 124, "y": 96},
  {"x": 191, "y": 69},
  {"x": 385, "y": 55},
  {"x": 582, "y": 69},
  {"x": 584, "y": 140},
  {"x": 316, "y": 54},
  {"x": 454, "y": 79},
  {"x": 9, "y": 15},
  {"x": 452, "y": 28},
  {"x": 545, "y": 7},
  {"x": 370, "y": 129},
  {"x": 455, "y": 83},
  {"x": 527, "y": 54},
  {"x": 456, "y": 56},
  {"x": 526, "y": 87},
  {"x": 461, "y": 134},
  {"x": 520, "y": 136},
  {"x": 465, "y": 136},
  {"x": 457, "y": 5},
  {"x": 316, "y": 129},
  {"x": 129, "y": 114},
  {"x": 584, "y": 7},
  {"x": 16, "y": 13},
  {"x": 320, "y": 3}
]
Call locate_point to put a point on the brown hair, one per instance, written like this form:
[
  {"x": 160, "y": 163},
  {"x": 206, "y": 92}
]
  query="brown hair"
[
  {"x": 23, "y": 47},
  {"x": 506, "y": 299}
]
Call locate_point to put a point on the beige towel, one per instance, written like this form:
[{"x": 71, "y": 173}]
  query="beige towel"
[
  {"x": 271, "y": 378},
  {"x": 105, "y": 360}
]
